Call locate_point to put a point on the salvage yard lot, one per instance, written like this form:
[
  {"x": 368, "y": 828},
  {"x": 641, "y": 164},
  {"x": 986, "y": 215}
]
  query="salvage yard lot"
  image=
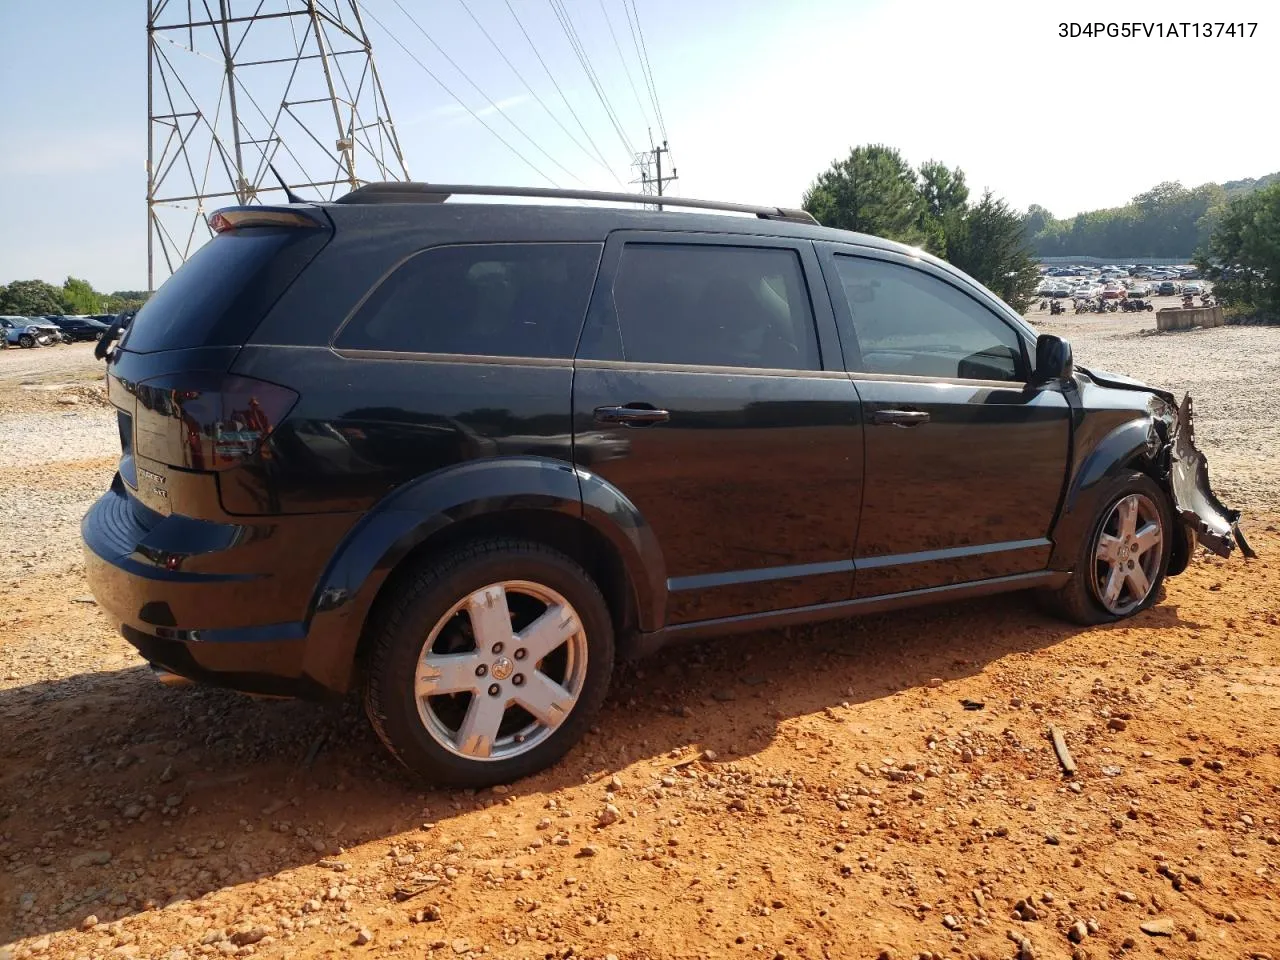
[{"x": 817, "y": 793}]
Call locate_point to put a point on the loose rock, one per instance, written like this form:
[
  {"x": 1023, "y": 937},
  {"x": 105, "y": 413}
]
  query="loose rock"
[{"x": 1161, "y": 927}]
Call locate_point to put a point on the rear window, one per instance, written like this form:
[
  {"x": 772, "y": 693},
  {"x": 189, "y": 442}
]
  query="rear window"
[
  {"x": 713, "y": 305},
  {"x": 494, "y": 299},
  {"x": 219, "y": 296}
]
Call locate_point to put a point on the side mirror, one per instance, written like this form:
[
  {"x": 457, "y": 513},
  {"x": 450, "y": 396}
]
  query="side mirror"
[{"x": 1053, "y": 359}]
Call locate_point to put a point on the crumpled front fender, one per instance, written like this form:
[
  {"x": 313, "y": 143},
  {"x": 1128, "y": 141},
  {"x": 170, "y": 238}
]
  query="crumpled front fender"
[{"x": 1215, "y": 525}]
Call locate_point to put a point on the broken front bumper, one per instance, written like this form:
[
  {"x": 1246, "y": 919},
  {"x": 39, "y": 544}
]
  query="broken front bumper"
[{"x": 1215, "y": 525}]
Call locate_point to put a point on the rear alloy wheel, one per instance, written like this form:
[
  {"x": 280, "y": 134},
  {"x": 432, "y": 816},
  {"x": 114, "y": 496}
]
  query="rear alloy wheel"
[
  {"x": 519, "y": 680},
  {"x": 26, "y": 340},
  {"x": 487, "y": 664},
  {"x": 1123, "y": 562}
]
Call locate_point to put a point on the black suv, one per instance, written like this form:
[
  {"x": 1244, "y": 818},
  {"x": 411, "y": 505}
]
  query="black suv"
[{"x": 463, "y": 455}]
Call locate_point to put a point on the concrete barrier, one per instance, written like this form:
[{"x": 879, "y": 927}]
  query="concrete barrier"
[{"x": 1177, "y": 318}]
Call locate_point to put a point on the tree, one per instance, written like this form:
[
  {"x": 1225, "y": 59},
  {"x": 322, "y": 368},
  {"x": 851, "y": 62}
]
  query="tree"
[
  {"x": 1166, "y": 221},
  {"x": 126, "y": 300},
  {"x": 31, "y": 298},
  {"x": 944, "y": 196},
  {"x": 1036, "y": 220},
  {"x": 1242, "y": 256},
  {"x": 990, "y": 245},
  {"x": 873, "y": 190},
  {"x": 80, "y": 297}
]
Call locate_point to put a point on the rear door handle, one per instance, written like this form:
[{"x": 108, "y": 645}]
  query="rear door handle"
[
  {"x": 900, "y": 418},
  {"x": 632, "y": 415}
]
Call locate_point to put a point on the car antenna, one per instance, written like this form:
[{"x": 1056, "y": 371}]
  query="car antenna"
[{"x": 288, "y": 194}]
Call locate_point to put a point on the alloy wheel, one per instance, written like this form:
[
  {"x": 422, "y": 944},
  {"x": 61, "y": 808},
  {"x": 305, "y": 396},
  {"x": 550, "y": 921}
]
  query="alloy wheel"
[
  {"x": 501, "y": 670},
  {"x": 1127, "y": 554}
]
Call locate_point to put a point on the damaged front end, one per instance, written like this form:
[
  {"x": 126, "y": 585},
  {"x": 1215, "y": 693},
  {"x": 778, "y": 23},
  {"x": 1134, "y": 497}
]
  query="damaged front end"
[
  {"x": 1181, "y": 466},
  {"x": 1214, "y": 524}
]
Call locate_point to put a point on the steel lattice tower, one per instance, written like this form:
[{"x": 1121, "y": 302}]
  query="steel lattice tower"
[{"x": 236, "y": 87}]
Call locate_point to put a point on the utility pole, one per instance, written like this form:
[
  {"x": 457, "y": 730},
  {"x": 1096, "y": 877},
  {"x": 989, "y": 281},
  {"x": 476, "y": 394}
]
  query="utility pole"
[{"x": 649, "y": 164}]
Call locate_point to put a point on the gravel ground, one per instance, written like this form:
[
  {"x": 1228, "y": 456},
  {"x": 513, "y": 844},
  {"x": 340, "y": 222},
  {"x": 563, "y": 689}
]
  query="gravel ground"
[
  {"x": 58, "y": 450},
  {"x": 800, "y": 794}
]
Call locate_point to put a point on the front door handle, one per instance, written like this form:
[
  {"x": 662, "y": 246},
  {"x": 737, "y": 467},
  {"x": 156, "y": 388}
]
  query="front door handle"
[
  {"x": 900, "y": 418},
  {"x": 632, "y": 415}
]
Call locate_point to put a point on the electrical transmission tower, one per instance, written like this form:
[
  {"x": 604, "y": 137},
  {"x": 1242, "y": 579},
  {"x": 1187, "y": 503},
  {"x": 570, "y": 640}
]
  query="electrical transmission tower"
[
  {"x": 651, "y": 179},
  {"x": 236, "y": 88}
]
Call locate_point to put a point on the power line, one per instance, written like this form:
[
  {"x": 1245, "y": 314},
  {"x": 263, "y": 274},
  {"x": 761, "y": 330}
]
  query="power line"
[
  {"x": 625, "y": 69},
  {"x": 551, "y": 77},
  {"x": 445, "y": 87},
  {"x": 476, "y": 87},
  {"x": 642, "y": 52},
  {"x": 575, "y": 42},
  {"x": 596, "y": 157}
]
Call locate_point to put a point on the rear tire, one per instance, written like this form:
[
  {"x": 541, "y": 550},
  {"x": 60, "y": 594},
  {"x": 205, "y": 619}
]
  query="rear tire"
[
  {"x": 26, "y": 341},
  {"x": 1121, "y": 565},
  {"x": 487, "y": 664}
]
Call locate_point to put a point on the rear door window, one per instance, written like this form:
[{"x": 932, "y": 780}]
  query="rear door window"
[
  {"x": 715, "y": 305},
  {"x": 499, "y": 300}
]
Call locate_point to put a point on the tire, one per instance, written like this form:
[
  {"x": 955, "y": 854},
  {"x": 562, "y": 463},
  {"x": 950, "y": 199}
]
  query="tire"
[
  {"x": 1082, "y": 600},
  {"x": 425, "y": 638},
  {"x": 27, "y": 341}
]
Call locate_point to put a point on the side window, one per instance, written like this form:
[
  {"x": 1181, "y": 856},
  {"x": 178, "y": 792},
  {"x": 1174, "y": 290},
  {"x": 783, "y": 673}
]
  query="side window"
[
  {"x": 908, "y": 322},
  {"x": 500, "y": 299},
  {"x": 714, "y": 305}
]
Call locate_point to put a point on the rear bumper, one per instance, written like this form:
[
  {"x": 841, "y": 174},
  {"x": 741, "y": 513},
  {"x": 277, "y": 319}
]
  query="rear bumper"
[{"x": 224, "y": 604}]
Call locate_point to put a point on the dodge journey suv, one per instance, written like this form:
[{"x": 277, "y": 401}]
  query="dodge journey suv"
[{"x": 460, "y": 457}]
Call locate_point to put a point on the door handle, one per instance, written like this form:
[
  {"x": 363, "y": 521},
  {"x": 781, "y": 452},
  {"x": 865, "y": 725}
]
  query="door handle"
[
  {"x": 632, "y": 415},
  {"x": 900, "y": 418}
]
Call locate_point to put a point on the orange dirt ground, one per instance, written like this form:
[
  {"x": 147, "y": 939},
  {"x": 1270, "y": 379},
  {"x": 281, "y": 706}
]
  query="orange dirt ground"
[{"x": 818, "y": 794}]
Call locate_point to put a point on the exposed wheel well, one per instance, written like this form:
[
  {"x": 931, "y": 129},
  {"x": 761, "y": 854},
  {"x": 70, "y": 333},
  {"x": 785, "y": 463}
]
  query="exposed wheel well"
[
  {"x": 1183, "y": 539},
  {"x": 572, "y": 536}
]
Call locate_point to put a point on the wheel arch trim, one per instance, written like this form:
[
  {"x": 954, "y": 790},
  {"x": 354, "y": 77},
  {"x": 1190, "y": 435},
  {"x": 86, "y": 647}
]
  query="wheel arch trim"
[
  {"x": 1116, "y": 452},
  {"x": 423, "y": 508}
]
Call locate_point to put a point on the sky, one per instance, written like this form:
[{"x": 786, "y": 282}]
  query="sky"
[{"x": 757, "y": 97}]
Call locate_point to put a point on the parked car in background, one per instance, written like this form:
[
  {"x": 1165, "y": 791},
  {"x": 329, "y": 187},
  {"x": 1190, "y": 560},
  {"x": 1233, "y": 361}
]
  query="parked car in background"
[
  {"x": 30, "y": 331},
  {"x": 79, "y": 328},
  {"x": 1139, "y": 288},
  {"x": 1167, "y": 288},
  {"x": 1113, "y": 291},
  {"x": 1195, "y": 288}
]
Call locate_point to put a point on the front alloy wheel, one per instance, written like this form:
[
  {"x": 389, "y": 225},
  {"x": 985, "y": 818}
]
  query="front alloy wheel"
[
  {"x": 1123, "y": 558},
  {"x": 501, "y": 670},
  {"x": 1127, "y": 554}
]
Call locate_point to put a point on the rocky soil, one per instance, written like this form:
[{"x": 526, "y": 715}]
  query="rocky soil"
[{"x": 879, "y": 788}]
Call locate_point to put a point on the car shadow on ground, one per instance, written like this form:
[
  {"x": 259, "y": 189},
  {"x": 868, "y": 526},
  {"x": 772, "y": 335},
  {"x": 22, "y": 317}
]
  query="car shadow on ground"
[{"x": 120, "y": 795}]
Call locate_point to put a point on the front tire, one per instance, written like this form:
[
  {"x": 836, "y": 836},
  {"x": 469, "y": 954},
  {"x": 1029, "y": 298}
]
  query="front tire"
[
  {"x": 1122, "y": 563},
  {"x": 489, "y": 663}
]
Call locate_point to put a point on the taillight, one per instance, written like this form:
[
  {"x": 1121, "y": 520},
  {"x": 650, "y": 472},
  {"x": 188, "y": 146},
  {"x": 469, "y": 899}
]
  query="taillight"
[
  {"x": 235, "y": 218},
  {"x": 207, "y": 421}
]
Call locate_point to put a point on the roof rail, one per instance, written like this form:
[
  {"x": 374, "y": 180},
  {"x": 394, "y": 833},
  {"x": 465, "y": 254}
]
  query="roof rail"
[{"x": 411, "y": 192}]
